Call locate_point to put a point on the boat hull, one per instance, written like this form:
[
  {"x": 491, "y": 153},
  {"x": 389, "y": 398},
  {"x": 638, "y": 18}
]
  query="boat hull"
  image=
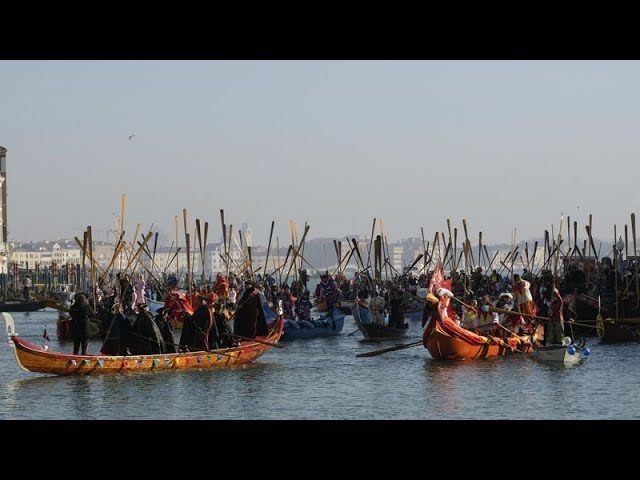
[
  {"x": 558, "y": 354},
  {"x": 319, "y": 330},
  {"x": 372, "y": 330},
  {"x": 33, "y": 358},
  {"x": 443, "y": 346},
  {"x": 616, "y": 331},
  {"x": 22, "y": 306}
]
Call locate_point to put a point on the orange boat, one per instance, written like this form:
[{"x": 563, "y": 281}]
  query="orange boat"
[
  {"x": 33, "y": 358},
  {"x": 450, "y": 341}
]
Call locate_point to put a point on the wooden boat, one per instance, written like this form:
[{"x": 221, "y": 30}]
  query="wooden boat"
[
  {"x": 30, "y": 306},
  {"x": 33, "y": 358},
  {"x": 321, "y": 327},
  {"x": 622, "y": 330},
  {"x": 372, "y": 324},
  {"x": 447, "y": 340}
]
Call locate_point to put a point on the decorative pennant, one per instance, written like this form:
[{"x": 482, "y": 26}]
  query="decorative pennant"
[
  {"x": 199, "y": 358},
  {"x": 219, "y": 356},
  {"x": 208, "y": 358},
  {"x": 73, "y": 362},
  {"x": 86, "y": 361},
  {"x": 155, "y": 362}
]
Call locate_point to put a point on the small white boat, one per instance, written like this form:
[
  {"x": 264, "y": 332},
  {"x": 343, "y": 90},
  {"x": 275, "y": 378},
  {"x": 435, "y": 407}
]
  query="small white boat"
[{"x": 567, "y": 353}]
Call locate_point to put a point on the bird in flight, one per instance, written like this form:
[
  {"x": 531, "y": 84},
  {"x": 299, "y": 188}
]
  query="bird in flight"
[{"x": 131, "y": 136}]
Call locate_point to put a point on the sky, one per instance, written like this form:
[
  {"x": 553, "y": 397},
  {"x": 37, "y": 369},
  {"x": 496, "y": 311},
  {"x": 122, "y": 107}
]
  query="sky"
[{"x": 506, "y": 145}]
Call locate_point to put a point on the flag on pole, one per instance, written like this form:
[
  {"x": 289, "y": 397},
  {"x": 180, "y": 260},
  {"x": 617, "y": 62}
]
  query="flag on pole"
[{"x": 437, "y": 277}]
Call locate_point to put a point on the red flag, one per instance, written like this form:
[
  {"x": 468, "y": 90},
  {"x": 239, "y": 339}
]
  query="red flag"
[
  {"x": 44, "y": 335},
  {"x": 437, "y": 277}
]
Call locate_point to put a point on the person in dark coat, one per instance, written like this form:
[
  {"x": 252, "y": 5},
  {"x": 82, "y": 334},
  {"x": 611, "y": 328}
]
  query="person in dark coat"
[
  {"x": 148, "y": 339},
  {"x": 396, "y": 316},
  {"x": 164, "y": 325},
  {"x": 249, "y": 319},
  {"x": 202, "y": 321},
  {"x": 113, "y": 342},
  {"x": 80, "y": 313},
  {"x": 221, "y": 334}
]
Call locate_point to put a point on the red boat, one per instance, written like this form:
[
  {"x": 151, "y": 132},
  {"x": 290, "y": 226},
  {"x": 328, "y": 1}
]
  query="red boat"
[{"x": 450, "y": 341}]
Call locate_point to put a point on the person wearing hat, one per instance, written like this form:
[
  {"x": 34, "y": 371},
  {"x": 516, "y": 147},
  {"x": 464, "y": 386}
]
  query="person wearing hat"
[{"x": 511, "y": 322}]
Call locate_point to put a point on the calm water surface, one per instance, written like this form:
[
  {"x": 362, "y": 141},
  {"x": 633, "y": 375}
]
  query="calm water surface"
[{"x": 323, "y": 379}]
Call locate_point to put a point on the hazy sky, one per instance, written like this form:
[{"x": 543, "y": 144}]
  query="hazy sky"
[{"x": 504, "y": 144}]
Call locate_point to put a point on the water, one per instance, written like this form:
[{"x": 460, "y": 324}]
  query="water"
[{"x": 323, "y": 379}]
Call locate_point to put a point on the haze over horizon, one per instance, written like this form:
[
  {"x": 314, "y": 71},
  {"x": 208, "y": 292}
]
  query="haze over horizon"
[{"x": 503, "y": 144}]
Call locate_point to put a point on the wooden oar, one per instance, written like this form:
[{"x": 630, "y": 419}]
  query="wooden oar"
[
  {"x": 153, "y": 256},
  {"x": 388, "y": 349},
  {"x": 277, "y": 345},
  {"x": 177, "y": 250},
  {"x": 635, "y": 255}
]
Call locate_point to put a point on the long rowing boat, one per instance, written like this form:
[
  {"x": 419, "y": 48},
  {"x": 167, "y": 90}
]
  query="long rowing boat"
[
  {"x": 447, "y": 340},
  {"x": 33, "y": 358}
]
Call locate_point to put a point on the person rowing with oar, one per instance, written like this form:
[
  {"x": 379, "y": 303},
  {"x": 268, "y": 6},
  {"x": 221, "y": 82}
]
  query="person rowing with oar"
[
  {"x": 487, "y": 320},
  {"x": 513, "y": 323}
]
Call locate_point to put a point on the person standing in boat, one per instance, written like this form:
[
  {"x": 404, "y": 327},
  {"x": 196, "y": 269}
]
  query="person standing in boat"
[
  {"x": 148, "y": 338},
  {"x": 303, "y": 309},
  {"x": 126, "y": 292},
  {"x": 249, "y": 319},
  {"x": 233, "y": 296},
  {"x": 304, "y": 278},
  {"x": 81, "y": 314},
  {"x": 329, "y": 292},
  {"x": 554, "y": 328},
  {"x": 202, "y": 322},
  {"x": 396, "y": 316},
  {"x": 524, "y": 300},
  {"x": 139, "y": 289},
  {"x": 436, "y": 309},
  {"x": 26, "y": 289},
  {"x": 117, "y": 328},
  {"x": 287, "y": 302}
]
